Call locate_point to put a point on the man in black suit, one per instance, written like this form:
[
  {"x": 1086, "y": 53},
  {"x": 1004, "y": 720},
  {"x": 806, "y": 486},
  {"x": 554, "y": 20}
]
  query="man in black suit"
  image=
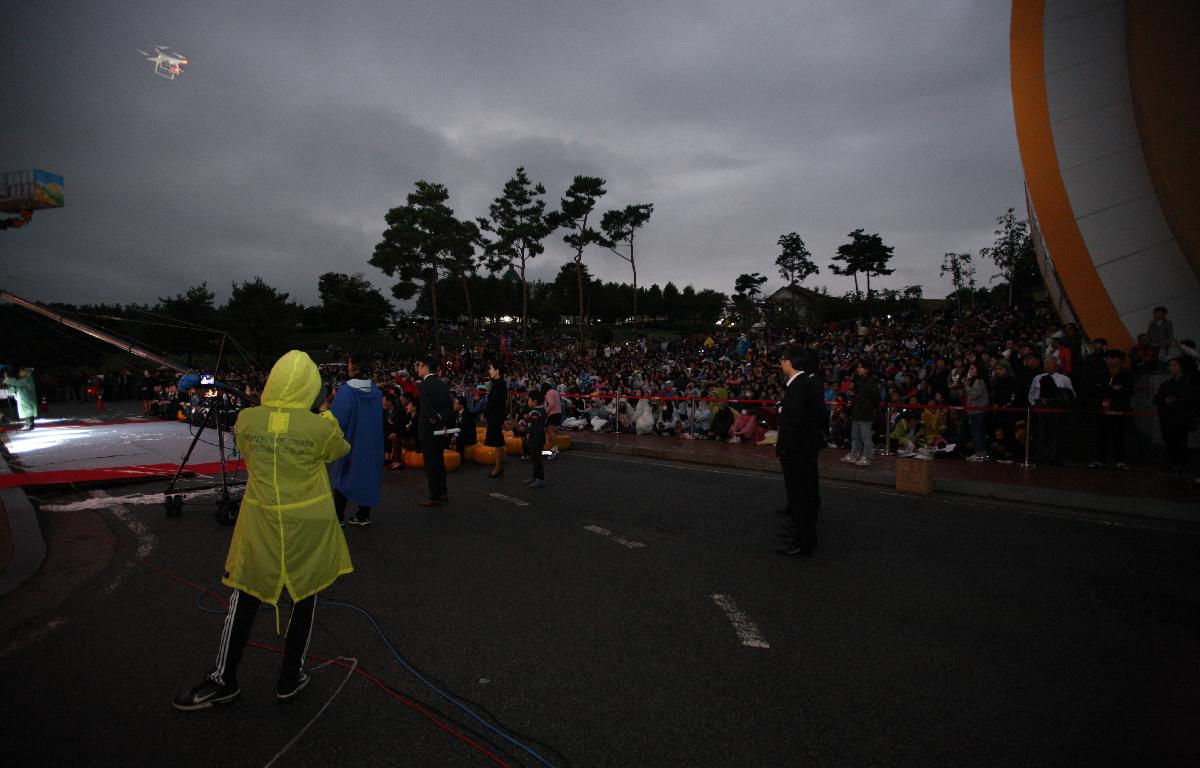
[
  {"x": 801, "y": 435},
  {"x": 436, "y": 415}
]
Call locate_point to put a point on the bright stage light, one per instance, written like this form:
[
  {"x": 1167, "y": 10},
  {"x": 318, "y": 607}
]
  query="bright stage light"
[{"x": 21, "y": 443}]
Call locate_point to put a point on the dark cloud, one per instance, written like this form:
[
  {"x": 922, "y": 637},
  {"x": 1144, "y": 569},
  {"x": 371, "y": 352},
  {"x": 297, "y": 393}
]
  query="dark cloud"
[{"x": 299, "y": 124}]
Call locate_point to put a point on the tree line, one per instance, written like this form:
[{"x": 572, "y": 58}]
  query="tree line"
[
  {"x": 426, "y": 244},
  {"x": 434, "y": 254},
  {"x": 477, "y": 270}
]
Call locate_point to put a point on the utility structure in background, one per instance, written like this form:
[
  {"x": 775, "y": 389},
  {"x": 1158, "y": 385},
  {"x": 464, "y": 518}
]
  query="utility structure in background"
[{"x": 216, "y": 415}]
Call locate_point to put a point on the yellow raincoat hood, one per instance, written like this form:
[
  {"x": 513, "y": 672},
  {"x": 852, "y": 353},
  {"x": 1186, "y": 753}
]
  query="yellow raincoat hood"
[
  {"x": 287, "y": 533},
  {"x": 294, "y": 382}
]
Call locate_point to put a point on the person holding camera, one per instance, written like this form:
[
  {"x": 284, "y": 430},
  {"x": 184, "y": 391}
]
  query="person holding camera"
[{"x": 285, "y": 536}]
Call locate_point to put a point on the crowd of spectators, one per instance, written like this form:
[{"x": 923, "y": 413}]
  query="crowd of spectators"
[{"x": 956, "y": 383}]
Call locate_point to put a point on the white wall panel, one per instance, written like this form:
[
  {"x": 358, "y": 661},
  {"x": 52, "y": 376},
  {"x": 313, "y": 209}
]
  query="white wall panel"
[
  {"x": 1056, "y": 10},
  {"x": 1097, "y": 134},
  {"x": 1103, "y": 167},
  {"x": 1081, "y": 89},
  {"x": 1108, "y": 181},
  {"x": 1157, "y": 275},
  {"x": 1082, "y": 37},
  {"x": 1125, "y": 229}
]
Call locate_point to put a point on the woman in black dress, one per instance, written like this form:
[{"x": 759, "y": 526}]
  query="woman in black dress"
[
  {"x": 146, "y": 392},
  {"x": 496, "y": 412}
]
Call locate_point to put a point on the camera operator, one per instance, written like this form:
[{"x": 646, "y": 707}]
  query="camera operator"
[{"x": 284, "y": 519}]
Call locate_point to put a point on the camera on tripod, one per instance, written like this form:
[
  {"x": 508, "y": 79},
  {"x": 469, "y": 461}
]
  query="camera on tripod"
[
  {"x": 212, "y": 410},
  {"x": 208, "y": 386}
]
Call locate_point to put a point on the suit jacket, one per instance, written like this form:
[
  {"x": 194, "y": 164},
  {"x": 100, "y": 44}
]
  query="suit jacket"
[
  {"x": 801, "y": 417},
  {"x": 436, "y": 409},
  {"x": 466, "y": 422}
]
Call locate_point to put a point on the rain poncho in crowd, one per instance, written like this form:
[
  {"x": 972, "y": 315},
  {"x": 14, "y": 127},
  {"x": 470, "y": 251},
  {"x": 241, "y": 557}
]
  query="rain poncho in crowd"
[
  {"x": 26, "y": 393},
  {"x": 358, "y": 407},
  {"x": 287, "y": 534}
]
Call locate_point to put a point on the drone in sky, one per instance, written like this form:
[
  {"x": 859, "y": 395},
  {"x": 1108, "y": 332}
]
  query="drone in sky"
[{"x": 166, "y": 65}]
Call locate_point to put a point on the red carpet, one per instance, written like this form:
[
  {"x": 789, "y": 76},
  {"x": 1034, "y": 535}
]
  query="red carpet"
[{"x": 101, "y": 474}]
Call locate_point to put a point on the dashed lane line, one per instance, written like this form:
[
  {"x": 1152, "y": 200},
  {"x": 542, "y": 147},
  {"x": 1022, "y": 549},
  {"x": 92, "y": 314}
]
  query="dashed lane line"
[
  {"x": 32, "y": 637},
  {"x": 746, "y": 629},
  {"x": 510, "y": 499},
  {"x": 609, "y": 535}
]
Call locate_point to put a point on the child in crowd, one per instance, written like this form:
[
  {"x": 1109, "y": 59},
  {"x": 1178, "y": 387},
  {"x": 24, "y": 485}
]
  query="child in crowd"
[
  {"x": 1003, "y": 448},
  {"x": 533, "y": 428}
]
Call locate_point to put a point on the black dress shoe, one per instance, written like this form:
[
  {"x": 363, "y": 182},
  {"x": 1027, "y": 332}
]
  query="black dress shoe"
[
  {"x": 429, "y": 503},
  {"x": 495, "y": 475}
]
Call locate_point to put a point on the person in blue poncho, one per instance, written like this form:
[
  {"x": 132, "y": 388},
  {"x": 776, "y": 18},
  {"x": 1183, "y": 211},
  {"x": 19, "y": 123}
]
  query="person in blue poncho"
[{"x": 358, "y": 407}]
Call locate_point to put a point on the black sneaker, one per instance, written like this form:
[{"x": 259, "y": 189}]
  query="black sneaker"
[
  {"x": 207, "y": 694},
  {"x": 356, "y": 521},
  {"x": 290, "y": 688}
]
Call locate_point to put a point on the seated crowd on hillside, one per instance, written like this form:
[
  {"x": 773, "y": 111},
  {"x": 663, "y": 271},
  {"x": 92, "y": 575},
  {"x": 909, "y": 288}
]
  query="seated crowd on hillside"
[
  {"x": 947, "y": 383},
  {"x": 945, "y": 377}
]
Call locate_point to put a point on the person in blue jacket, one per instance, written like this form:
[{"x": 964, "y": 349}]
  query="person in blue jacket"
[{"x": 358, "y": 407}]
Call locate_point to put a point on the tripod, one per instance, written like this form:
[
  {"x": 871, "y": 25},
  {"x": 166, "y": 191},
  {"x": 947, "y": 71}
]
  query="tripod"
[{"x": 216, "y": 415}]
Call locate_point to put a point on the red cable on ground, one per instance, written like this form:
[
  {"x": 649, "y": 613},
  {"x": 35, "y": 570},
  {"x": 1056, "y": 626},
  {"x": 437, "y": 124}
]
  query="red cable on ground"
[
  {"x": 360, "y": 671},
  {"x": 398, "y": 697}
]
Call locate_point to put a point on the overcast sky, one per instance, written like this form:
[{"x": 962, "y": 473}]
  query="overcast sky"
[{"x": 299, "y": 124}]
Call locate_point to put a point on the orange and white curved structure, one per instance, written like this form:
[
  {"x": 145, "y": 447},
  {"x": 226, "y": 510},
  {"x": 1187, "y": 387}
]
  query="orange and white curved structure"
[{"x": 1106, "y": 96}]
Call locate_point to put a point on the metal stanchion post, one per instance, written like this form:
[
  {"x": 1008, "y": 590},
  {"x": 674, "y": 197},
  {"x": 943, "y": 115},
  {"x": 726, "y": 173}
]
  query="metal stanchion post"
[
  {"x": 1028, "y": 435},
  {"x": 617, "y": 412},
  {"x": 887, "y": 432}
]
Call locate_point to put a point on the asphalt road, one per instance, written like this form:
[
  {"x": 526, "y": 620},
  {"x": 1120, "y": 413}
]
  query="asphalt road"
[{"x": 632, "y": 614}]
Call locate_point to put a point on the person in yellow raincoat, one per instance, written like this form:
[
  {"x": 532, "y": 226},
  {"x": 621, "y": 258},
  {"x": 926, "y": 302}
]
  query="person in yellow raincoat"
[{"x": 287, "y": 535}]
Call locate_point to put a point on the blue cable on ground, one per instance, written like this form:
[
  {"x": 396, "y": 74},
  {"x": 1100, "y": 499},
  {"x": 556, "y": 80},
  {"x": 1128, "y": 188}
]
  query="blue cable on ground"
[{"x": 433, "y": 687}]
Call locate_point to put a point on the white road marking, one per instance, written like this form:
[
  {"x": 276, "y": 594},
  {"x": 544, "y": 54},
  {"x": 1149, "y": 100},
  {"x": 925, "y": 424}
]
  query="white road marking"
[
  {"x": 747, "y": 630},
  {"x": 509, "y": 499},
  {"x": 145, "y": 539},
  {"x": 104, "y": 501},
  {"x": 609, "y": 535},
  {"x": 669, "y": 464},
  {"x": 32, "y": 637}
]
